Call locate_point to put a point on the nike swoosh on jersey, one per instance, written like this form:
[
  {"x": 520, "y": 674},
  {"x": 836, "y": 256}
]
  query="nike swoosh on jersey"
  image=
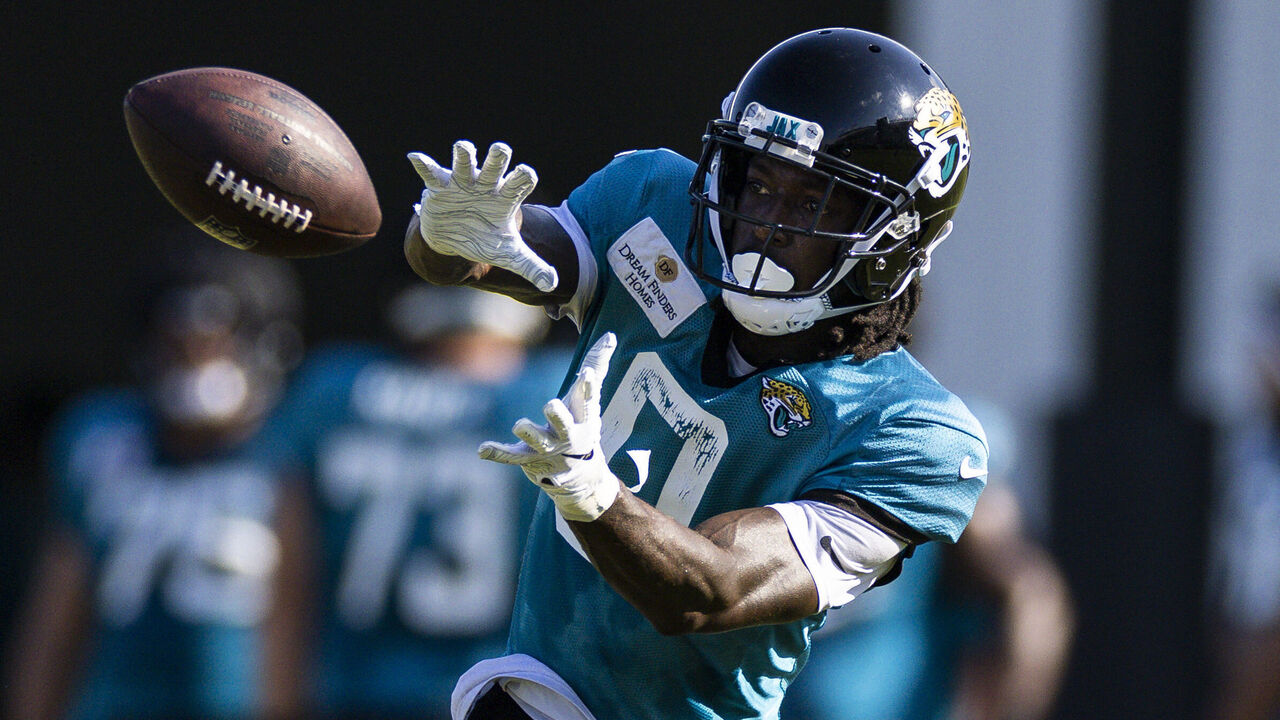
[
  {"x": 969, "y": 472},
  {"x": 825, "y": 542}
]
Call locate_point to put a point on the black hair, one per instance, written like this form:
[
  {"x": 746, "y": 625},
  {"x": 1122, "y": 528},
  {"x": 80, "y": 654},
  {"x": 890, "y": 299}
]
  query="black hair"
[{"x": 867, "y": 333}]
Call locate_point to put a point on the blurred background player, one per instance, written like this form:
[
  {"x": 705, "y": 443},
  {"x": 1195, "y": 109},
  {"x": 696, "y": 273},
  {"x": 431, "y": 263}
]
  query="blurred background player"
[
  {"x": 416, "y": 540},
  {"x": 156, "y": 566},
  {"x": 980, "y": 630},
  {"x": 1245, "y": 547}
]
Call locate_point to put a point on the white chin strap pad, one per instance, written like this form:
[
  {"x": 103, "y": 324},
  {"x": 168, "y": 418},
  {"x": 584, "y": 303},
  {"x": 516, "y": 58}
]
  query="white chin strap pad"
[{"x": 768, "y": 316}]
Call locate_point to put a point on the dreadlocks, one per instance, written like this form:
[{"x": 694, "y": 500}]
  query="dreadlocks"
[
  {"x": 862, "y": 334},
  {"x": 877, "y": 329}
]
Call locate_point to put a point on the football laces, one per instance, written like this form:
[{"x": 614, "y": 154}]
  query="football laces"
[{"x": 281, "y": 211}]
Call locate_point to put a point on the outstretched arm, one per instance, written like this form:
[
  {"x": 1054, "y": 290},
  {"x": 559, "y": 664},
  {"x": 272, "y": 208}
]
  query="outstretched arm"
[
  {"x": 541, "y": 232},
  {"x": 735, "y": 570},
  {"x": 470, "y": 228}
]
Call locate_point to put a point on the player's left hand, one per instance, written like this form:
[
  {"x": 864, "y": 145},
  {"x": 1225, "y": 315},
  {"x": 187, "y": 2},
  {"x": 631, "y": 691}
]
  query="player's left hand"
[
  {"x": 472, "y": 214},
  {"x": 564, "y": 457}
]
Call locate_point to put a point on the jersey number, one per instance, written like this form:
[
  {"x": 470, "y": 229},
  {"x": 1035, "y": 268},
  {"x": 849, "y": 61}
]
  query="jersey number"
[
  {"x": 459, "y": 581},
  {"x": 200, "y": 538},
  {"x": 702, "y": 436}
]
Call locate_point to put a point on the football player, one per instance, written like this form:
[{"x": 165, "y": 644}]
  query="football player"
[
  {"x": 155, "y": 576},
  {"x": 1244, "y": 586},
  {"x": 416, "y": 540},
  {"x": 744, "y": 442}
]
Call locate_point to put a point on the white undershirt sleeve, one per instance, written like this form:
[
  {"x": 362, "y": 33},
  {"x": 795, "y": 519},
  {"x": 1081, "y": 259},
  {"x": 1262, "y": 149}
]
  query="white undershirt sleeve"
[
  {"x": 844, "y": 553},
  {"x": 588, "y": 275}
]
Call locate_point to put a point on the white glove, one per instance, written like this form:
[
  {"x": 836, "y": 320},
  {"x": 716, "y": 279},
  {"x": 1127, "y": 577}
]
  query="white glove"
[
  {"x": 473, "y": 215},
  {"x": 563, "y": 457}
]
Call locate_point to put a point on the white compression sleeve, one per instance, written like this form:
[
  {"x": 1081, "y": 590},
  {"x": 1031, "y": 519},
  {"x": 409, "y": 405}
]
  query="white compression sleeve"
[{"x": 844, "y": 553}]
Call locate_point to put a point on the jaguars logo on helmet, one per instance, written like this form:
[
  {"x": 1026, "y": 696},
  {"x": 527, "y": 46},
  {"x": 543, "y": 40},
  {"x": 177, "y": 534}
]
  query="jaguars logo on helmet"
[{"x": 941, "y": 133}]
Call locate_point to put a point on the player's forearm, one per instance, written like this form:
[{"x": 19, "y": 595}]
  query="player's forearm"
[
  {"x": 438, "y": 268},
  {"x": 1021, "y": 675},
  {"x": 1038, "y": 627},
  {"x": 657, "y": 564},
  {"x": 736, "y": 570},
  {"x": 288, "y": 627},
  {"x": 47, "y": 650}
]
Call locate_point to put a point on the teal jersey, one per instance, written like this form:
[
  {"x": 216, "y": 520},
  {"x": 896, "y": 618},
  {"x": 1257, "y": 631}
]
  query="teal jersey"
[
  {"x": 181, "y": 555},
  {"x": 419, "y": 539},
  {"x": 695, "y": 444}
]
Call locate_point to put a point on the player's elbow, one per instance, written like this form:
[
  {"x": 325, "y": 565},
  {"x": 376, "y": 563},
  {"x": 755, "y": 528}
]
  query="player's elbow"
[
  {"x": 706, "y": 614},
  {"x": 677, "y": 623}
]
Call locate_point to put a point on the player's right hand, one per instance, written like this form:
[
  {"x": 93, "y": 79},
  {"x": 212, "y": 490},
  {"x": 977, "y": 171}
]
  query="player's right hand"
[
  {"x": 563, "y": 457},
  {"x": 474, "y": 214}
]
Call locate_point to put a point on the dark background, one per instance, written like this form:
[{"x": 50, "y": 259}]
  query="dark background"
[
  {"x": 565, "y": 89},
  {"x": 568, "y": 88}
]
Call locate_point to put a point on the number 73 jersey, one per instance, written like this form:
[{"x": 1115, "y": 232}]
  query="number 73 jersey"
[
  {"x": 419, "y": 537},
  {"x": 695, "y": 444}
]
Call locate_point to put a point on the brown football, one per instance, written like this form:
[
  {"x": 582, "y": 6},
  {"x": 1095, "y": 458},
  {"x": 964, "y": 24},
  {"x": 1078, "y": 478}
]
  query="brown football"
[{"x": 252, "y": 162}]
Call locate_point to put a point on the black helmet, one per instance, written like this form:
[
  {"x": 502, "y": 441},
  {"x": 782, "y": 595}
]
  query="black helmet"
[{"x": 865, "y": 114}]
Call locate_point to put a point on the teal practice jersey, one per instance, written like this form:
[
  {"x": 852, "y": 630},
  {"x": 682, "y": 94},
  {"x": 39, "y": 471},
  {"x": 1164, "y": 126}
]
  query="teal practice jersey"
[
  {"x": 695, "y": 444},
  {"x": 419, "y": 539},
  {"x": 181, "y": 559}
]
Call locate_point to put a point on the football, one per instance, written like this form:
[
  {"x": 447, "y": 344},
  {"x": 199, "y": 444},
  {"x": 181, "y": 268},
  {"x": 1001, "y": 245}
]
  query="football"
[{"x": 252, "y": 162}]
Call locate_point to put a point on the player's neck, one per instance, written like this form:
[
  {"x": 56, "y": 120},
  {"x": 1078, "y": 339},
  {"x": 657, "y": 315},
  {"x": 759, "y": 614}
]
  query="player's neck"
[
  {"x": 737, "y": 366},
  {"x": 766, "y": 351},
  {"x": 759, "y": 352}
]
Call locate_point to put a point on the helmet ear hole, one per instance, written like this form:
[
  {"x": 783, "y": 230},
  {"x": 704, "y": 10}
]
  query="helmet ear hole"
[
  {"x": 846, "y": 293},
  {"x": 867, "y": 283},
  {"x": 879, "y": 279}
]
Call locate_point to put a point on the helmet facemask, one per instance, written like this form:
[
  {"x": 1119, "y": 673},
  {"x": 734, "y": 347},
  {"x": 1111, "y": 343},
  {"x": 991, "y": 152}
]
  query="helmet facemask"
[{"x": 760, "y": 292}]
